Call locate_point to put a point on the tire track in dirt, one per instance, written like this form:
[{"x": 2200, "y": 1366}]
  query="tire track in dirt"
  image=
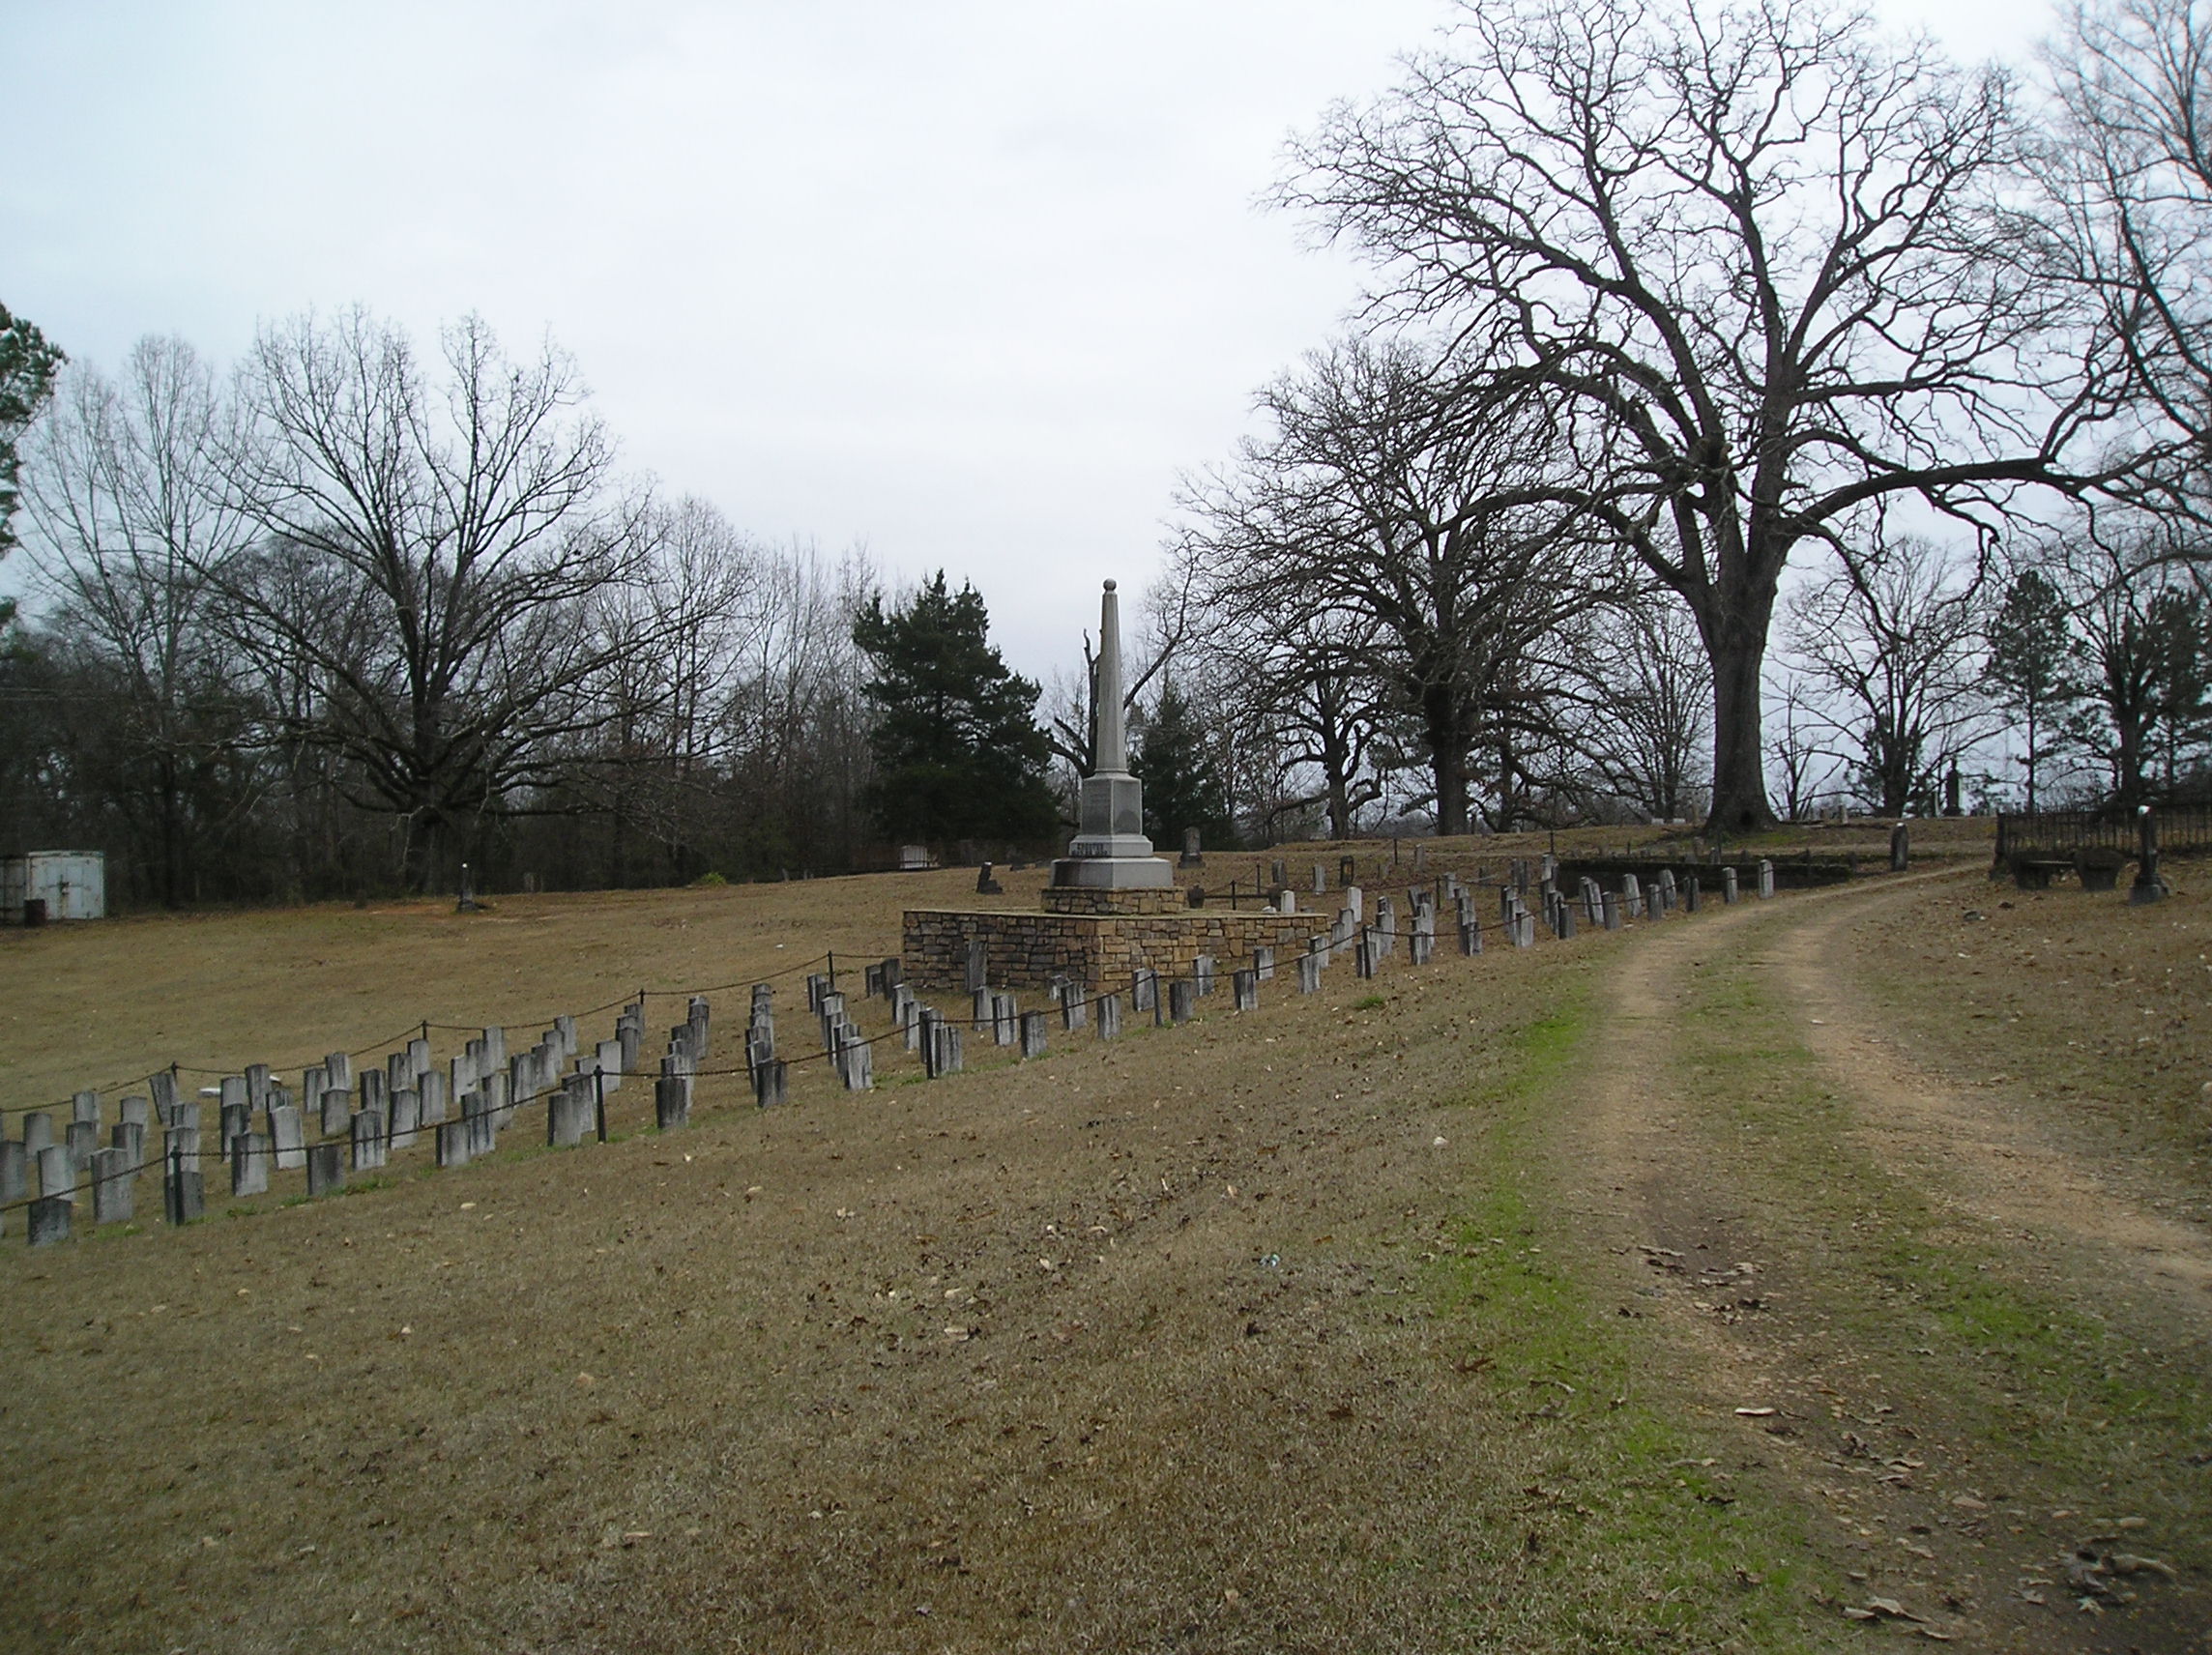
[
  {"x": 1881, "y": 1505},
  {"x": 1984, "y": 1156}
]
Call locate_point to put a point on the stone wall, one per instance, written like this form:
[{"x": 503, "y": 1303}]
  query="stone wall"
[
  {"x": 1027, "y": 950},
  {"x": 1083, "y": 899}
]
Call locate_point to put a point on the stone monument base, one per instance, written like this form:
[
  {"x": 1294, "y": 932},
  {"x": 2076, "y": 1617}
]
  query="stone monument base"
[
  {"x": 1088, "y": 899},
  {"x": 1087, "y": 872},
  {"x": 1097, "y": 949}
]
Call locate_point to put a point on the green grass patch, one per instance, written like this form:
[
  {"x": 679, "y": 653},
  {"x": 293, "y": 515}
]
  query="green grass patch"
[{"x": 1638, "y": 1533}]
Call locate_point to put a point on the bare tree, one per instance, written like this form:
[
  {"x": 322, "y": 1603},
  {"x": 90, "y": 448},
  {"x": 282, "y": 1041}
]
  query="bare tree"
[
  {"x": 797, "y": 713},
  {"x": 1803, "y": 761},
  {"x": 429, "y": 550},
  {"x": 2144, "y": 644},
  {"x": 1411, "y": 505},
  {"x": 669, "y": 643},
  {"x": 2133, "y": 177},
  {"x": 1753, "y": 250},
  {"x": 1891, "y": 637},
  {"x": 1649, "y": 707},
  {"x": 128, "y": 519}
]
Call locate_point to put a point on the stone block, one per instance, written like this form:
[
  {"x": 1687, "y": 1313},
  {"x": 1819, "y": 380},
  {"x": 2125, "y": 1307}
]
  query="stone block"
[
  {"x": 452, "y": 1144},
  {"x": 1032, "y": 1034},
  {"x": 366, "y": 1131},
  {"x": 236, "y": 1120},
  {"x": 771, "y": 1083},
  {"x": 568, "y": 1117},
  {"x": 326, "y": 1169},
  {"x": 1182, "y": 999},
  {"x": 15, "y": 1173},
  {"x": 180, "y": 1149},
  {"x": 672, "y": 1102},
  {"x": 184, "y": 1196},
  {"x": 947, "y": 1056},
  {"x": 288, "y": 1138},
  {"x": 57, "y": 1172},
  {"x": 855, "y": 1061},
  {"x": 1309, "y": 973},
  {"x": 1244, "y": 989},
  {"x": 404, "y": 1119},
  {"x": 49, "y": 1220},
  {"x": 480, "y": 1132},
  {"x": 112, "y": 1178},
  {"x": 249, "y": 1164},
  {"x": 37, "y": 1132},
  {"x": 1109, "y": 1010},
  {"x": 80, "y": 1138},
  {"x": 85, "y": 1107}
]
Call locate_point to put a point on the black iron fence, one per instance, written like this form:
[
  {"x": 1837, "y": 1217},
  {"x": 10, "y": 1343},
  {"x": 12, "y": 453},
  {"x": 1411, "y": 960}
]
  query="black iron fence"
[{"x": 2116, "y": 830}]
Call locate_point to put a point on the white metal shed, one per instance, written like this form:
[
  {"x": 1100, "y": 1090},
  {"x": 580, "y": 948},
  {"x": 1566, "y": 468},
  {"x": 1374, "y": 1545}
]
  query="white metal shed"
[{"x": 72, "y": 884}]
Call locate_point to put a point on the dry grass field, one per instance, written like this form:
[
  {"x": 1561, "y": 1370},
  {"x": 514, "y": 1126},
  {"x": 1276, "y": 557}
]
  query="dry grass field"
[{"x": 1413, "y": 1315}]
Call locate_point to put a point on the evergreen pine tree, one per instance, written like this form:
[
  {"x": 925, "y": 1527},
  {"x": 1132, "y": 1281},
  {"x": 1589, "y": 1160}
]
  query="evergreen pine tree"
[
  {"x": 28, "y": 364},
  {"x": 958, "y": 754},
  {"x": 2031, "y": 644},
  {"x": 1184, "y": 787}
]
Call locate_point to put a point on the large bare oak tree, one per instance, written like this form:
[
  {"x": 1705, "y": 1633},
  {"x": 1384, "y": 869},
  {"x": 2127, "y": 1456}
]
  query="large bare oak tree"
[
  {"x": 431, "y": 542},
  {"x": 1757, "y": 252}
]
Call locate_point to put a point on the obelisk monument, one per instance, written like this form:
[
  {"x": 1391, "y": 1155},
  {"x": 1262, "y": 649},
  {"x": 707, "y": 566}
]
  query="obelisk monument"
[{"x": 1110, "y": 850}]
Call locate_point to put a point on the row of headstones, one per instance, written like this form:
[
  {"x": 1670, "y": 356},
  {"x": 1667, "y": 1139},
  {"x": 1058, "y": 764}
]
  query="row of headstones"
[
  {"x": 398, "y": 1102},
  {"x": 1348, "y": 872},
  {"x": 576, "y": 1107}
]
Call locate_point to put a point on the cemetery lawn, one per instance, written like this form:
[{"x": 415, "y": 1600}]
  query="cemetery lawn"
[{"x": 1412, "y": 1316}]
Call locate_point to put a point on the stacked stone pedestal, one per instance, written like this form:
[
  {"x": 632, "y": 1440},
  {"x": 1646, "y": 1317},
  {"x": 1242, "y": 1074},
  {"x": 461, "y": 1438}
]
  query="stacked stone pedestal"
[{"x": 1093, "y": 948}]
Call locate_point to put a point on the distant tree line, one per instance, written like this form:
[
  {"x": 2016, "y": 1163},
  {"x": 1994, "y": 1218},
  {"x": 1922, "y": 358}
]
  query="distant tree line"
[
  {"x": 1752, "y": 413},
  {"x": 353, "y": 617}
]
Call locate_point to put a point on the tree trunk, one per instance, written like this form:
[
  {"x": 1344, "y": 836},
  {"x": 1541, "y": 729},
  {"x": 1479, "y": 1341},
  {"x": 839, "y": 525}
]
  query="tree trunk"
[
  {"x": 1739, "y": 763},
  {"x": 1447, "y": 758}
]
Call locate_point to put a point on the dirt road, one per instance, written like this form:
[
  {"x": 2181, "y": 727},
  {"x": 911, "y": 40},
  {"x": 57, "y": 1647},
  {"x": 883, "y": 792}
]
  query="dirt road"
[{"x": 1931, "y": 1308}]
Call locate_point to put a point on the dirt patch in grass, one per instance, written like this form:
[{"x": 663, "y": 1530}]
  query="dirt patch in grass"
[{"x": 2091, "y": 1017}]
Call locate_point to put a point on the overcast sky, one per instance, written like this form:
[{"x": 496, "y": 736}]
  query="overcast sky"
[{"x": 968, "y": 282}]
